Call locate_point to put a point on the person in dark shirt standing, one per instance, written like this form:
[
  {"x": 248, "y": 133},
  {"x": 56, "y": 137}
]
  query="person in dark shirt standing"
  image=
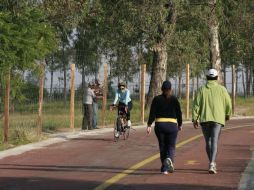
[{"x": 166, "y": 112}]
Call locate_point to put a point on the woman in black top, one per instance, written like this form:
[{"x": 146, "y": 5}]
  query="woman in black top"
[{"x": 166, "y": 112}]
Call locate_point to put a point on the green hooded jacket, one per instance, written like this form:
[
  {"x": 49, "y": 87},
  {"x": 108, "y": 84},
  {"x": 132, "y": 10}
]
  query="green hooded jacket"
[{"x": 212, "y": 103}]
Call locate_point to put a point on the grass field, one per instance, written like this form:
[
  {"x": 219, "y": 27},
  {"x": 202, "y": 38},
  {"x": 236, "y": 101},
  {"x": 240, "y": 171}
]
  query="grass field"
[{"x": 56, "y": 118}]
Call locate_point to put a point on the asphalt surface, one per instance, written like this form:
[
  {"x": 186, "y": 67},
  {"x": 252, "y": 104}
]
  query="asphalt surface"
[{"x": 92, "y": 160}]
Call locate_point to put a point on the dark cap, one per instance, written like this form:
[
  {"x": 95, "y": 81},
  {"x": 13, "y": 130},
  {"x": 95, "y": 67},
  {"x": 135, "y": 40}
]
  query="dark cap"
[
  {"x": 166, "y": 85},
  {"x": 121, "y": 84}
]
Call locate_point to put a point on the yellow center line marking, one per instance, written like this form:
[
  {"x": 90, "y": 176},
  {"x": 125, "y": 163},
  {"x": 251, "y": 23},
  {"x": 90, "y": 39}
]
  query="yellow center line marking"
[
  {"x": 191, "y": 162},
  {"x": 133, "y": 168}
]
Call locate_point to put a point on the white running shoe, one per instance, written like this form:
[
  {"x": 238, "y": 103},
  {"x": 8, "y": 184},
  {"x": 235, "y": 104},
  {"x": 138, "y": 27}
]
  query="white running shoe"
[
  {"x": 165, "y": 173},
  {"x": 169, "y": 164},
  {"x": 129, "y": 123},
  {"x": 117, "y": 134},
  {"x": 212, "y": 168}
]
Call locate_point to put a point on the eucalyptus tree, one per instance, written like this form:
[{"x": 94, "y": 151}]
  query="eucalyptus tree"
[
  {"x": 157, "y": 24},
  {"x": 213, "y": 25}
]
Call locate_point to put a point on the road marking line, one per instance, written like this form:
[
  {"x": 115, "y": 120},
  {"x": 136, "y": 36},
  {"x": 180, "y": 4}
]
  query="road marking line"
[
  {"x": 191, "y": 162},
  {"x": 133, "y": 168}
]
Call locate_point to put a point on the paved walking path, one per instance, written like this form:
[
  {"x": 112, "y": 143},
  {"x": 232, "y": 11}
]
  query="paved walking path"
[
  {"x": 247, "y": 179},
  {"x": 92, "y": 160}
]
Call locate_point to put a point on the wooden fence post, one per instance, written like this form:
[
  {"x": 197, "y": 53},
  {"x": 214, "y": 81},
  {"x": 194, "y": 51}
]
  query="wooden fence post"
[
  {"x": 142, "y": 93},
  {"x": 72, "y": 97},
  {"x": 187, "y": 90},
  {"x": 105, "y": 92},
  {"x": 7, "y": 106},
  {"x": 233, "y": 88},
  {"x": 41, "y": 88}
]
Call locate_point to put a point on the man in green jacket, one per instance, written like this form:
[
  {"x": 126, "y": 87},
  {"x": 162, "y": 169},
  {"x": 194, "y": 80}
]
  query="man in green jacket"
[{"x": 211, "y": 108}]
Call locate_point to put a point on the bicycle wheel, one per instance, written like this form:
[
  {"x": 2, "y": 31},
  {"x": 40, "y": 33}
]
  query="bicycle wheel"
[
  {"x": 126, "y": 133},
  {"x": 117, "y": 129}
]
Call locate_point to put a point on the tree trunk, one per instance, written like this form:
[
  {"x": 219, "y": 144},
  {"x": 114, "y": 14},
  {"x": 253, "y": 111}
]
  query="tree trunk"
[
  {"x": 187, "y": 87},
  {"x": 142, "y": 93},
  {"x": 247, "y": 84},
  {"x": 159, "y": 70},
  {"x": 225, "y": 76},
  {"x": 193, "y": 88},
  {"x": 72, "y": 97},
  {"x": 40, "y": 102},
  {"x": 65, "y": 85},
  {"x": 105, "y": 93},
  {"x": 160, "y": 54},
  {"x": 197, "y": 82},
  {"x": 1, "y": 96},
  {"x": 51, "y": 84},
  {"x": 237, "y": 80},
  {"x": 83, "y": 80},
  {"x": 253, "y": 81},
  {"x": 51, "y": 77},
  {"x": 244, "y": 89},
  {"x": 233, "y": 88},
  {"x": 250, "y": 79},
  {"x": 179, "y": 94},
  {"x": 213, "y": 24},
  {"x": 64, "y": 71}
]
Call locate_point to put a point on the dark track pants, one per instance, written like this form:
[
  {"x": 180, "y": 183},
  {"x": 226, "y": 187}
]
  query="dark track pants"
[
  {"x": 166, "y": 133},
  {"x": 88, "y": 117}
]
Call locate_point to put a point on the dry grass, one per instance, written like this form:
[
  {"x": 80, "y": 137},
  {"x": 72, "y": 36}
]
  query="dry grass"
[{"x": 56, "y": 118}]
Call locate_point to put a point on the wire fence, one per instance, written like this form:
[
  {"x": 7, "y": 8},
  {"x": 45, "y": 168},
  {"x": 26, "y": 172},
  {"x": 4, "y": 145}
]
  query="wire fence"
[
  {"x": 56, "y": 103},
  {"x": 56, "y": 109}
]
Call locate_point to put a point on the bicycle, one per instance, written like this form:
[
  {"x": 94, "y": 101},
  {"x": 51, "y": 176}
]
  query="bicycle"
[{"x": 121, "y": 128}]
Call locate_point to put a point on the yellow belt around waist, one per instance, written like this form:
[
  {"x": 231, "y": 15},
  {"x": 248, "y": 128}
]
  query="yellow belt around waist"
[{"x": 173, "y": 120}]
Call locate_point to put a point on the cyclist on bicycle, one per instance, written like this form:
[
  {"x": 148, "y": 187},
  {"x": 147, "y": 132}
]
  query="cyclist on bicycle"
[{"x": 123, "y": 96}]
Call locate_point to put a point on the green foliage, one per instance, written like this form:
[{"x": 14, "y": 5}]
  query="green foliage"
[
  {"x": 87, "y": 46},
  {"x": 236, "y": 30},
  {"x": 189, "y": 44},
  {"x": 30, "y": 92},
  {"x": 25, "y": 36}
]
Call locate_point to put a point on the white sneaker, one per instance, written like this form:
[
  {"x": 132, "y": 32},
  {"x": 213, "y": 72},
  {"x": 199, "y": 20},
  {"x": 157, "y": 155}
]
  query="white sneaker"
[
  {"x": 212, "y": 168},
  {"x": 129, "y": 123},
  {"x": 169, "y": 164},
  {"x": 117, "y": 134},
  {"x": 165, "y": 173}
]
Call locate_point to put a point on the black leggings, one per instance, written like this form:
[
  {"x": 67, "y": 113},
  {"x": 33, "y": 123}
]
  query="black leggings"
[{"x": 166, "y": 133}]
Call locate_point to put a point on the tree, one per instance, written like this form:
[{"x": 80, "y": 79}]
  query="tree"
[
  {"x": 157, "y": 23},
  {"x": 146, "y": 22},
  {"x": 25, "y": 37},
  {"x": 236, "y": 31},
  {"x": 87, "y": 47},
  {"x": 64, "y": 16},
  {"x": 213, "y": 24}
]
